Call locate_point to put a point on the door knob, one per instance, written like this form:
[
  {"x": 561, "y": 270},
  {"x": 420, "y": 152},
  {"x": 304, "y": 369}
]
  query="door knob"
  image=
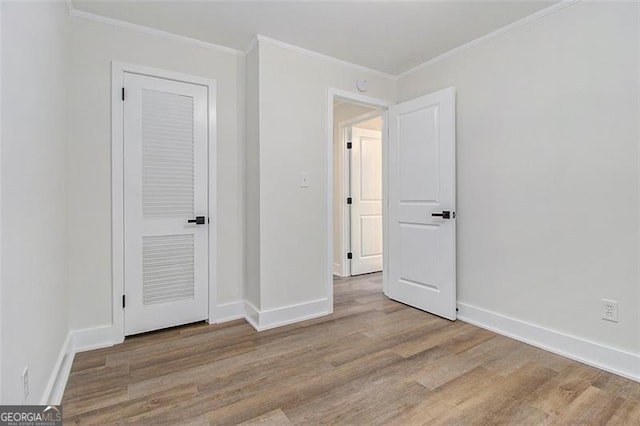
[
  {"x": 199, "y": 220},
  {"x": 446, "y": 214}
]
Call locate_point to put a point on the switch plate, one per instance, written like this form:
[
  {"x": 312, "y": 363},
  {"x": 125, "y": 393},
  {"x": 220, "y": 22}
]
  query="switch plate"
[{"x": 304, "y": 180}]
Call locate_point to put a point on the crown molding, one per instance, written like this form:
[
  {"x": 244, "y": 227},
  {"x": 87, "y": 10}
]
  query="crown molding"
[
  {"x": 151, "y": 31},
  {"x": 252, "y": 45},
  {"x": 316, "y": 55},
  {"x": 323, "y": 57},
  {"x": 507, "y": 28}
]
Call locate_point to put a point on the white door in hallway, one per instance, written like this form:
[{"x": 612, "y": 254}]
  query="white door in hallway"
[
  {"x": 422, "y": 197},
  {"x": 366, "y": 201},
  {"x": 165, "y": 203}
]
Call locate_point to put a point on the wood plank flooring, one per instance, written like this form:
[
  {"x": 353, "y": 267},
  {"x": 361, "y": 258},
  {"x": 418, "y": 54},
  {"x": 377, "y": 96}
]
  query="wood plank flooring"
[{"x": 374, "y": 361}]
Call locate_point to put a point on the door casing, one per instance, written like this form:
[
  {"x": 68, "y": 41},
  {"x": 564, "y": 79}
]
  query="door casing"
[{"x": 117, "y": 184}]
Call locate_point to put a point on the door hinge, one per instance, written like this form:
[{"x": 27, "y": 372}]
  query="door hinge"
[
  {"x": 123, "y": 93},
  {"x": 349, "y": 144},
  {"x": 349, "y": 255},
  {"x": 349, "y": 200},
  {"x": 123, "y": 301}
]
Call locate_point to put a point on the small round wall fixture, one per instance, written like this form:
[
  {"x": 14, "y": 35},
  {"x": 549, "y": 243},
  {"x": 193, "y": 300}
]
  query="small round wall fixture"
[{"x": 362, "y": 85}]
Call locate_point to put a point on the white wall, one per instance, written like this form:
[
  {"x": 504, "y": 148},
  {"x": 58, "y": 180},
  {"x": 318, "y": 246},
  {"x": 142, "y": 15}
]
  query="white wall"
[
  {"x": 293, "y": 139},
  {"x": 94, "y": 46},
  {"x": 547, "y": 138},
  {"x": 34, "y": 274}
]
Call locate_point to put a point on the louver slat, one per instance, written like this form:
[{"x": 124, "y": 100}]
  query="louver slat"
[
  {"x": 167, "y": 268},
  {"x": 167, "y": 155}
]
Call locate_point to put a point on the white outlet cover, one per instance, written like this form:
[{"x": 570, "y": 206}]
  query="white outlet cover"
[
  {"x": 25, "y": 382},
  {"x": 610, "y": 310}
]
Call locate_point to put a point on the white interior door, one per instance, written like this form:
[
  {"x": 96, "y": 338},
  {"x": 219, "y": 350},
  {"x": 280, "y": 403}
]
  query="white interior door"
[
  {"x": 422, "y": 196},
  {"x": 165, "y": 186},
  {"x": 366, "y": 201}
]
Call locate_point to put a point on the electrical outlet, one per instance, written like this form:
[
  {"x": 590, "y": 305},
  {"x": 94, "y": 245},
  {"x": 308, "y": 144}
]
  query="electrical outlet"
[
  {"x": 610, "y": 310},
  {"x": 25, "y": 383}
]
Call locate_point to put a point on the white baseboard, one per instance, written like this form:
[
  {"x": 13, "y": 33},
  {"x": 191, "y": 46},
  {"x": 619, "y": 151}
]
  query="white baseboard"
[
  {"x": 103, "y": 336},
  {"x": 93, "y": 338},
  {"x": 606, "y": 358},
  {"x": 252, "y": 315},
  {"x": 76, "y": 341},
  {"x": 58, "y": 380},
  {"x": 616, "y": 361},
  {"x": 229, "y": 311},
  {"x": 337, "y": 269},
  {"x": 277, "y": 317}
]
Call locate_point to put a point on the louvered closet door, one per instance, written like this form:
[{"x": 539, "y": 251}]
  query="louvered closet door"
[{"x": 165, "y": 167}]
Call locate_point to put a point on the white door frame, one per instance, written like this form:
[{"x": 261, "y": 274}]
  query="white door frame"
[
  {"x": 333, "y": 93},
  {"x": 117, "y": 183},
  {"x": 345, "y": 267}
]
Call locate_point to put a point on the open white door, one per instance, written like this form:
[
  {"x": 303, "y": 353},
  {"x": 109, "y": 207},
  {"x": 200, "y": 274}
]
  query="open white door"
[
  {"x": 366, "y": 201},
  {"x": 422, "y": 197},
  {"x": 165, "y": 203}
]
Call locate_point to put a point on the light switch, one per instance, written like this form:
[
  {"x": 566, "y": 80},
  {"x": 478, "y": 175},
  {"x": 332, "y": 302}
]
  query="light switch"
[{"x": 304, "y": 180}]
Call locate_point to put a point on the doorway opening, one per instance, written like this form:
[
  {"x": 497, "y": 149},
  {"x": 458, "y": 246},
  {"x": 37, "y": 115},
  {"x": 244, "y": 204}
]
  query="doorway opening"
[
  {"x": 357, "y": 228},
  {"x": 418, "y": 199},
  {"x": 357, "y": 192}
]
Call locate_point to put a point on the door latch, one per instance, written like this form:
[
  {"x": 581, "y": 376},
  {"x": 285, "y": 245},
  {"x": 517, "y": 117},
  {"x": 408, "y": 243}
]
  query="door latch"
[{"x": 199, "y": 220}]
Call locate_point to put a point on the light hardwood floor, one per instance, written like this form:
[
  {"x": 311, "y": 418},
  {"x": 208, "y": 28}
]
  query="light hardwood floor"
[{"x": 374, "y": 361}]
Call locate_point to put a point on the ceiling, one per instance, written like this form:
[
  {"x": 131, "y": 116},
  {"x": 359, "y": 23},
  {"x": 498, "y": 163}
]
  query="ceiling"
[
  {"x": 345, "y": 110},
  {"x": 389, "y": 36}
]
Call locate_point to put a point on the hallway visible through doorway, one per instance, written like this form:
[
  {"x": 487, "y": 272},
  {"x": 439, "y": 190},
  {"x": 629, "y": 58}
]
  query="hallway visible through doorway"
[{"x": 358, "y": 225}]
